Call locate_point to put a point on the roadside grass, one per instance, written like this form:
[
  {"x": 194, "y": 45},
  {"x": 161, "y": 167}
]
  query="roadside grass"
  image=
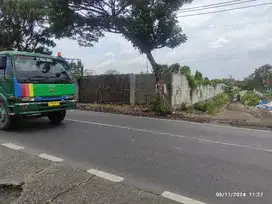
[
  {"x": 214, "y": 105},
  {"x": 250, "y": 99}
]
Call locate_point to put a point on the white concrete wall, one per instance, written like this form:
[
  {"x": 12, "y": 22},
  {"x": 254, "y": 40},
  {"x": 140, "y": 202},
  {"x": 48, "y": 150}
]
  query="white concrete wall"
[{"x": 181, "y": 91}]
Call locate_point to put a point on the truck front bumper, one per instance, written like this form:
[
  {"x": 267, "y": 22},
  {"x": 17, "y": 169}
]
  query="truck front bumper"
[{"x": 30, "y": 108}]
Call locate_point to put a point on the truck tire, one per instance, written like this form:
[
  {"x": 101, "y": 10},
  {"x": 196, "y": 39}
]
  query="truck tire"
[
  {"x": 57, "y": 117},
  {"x": 5, "y": 119}
]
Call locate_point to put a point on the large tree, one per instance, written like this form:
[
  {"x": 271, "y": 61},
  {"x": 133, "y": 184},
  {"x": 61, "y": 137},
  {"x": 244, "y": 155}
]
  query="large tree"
[
  {"x": 259, "y": 78},
  {"x": 23, "y": 26},
  {"x": 147, "y": 24}
]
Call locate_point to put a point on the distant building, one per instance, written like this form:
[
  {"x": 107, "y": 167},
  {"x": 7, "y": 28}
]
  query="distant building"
[{"x": 268, "y": 86}]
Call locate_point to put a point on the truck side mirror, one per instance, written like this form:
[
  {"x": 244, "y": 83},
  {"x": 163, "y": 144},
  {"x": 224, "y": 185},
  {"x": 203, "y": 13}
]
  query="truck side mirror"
[{"x": 3, "y": 63}]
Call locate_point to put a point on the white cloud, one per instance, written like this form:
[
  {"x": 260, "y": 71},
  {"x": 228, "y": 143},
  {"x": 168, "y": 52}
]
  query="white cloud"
[
  {"x": 219, "y": 43},
  {"x": 237, "y": 48},
  {"x": 109, "y": 54},
  {"x": 106, "y": 63}
]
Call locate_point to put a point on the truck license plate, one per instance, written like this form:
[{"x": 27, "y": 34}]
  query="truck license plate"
[{"x": 53, "y": 103}]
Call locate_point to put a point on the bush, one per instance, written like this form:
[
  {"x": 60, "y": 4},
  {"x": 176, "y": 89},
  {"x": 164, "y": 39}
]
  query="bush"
[
  {"x": 184, "y": 107},
  {"x": 234, "y": 92},
  {"x": 213, "y": 106},
  {"x": 162, "y": 107},
  {"x": 201, "y": 106},
  {"x": 250, "y": 99}
]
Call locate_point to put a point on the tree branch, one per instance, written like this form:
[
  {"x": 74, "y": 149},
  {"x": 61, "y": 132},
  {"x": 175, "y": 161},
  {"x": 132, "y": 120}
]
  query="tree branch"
[{"x": 80, "y": 8}]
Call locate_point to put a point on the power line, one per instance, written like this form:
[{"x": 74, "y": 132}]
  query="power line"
[
  {"x": 208, "y": 5},
  {"x": 212, "y": 7},
  {"x": 229, "y": 25},
  {"x": 232, "y": 9}
]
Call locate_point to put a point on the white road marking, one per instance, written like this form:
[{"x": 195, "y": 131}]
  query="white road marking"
[
  {"x": 180, "y": 198},
  {"x": 176, "y": 121},
  {"x": 179, "y": 148},
  {"x": 51, "y": 158},
  {"x": 173, "y": 135},
  {"x": 105, "y": 175},
  {"x": 13, "y": 146}
]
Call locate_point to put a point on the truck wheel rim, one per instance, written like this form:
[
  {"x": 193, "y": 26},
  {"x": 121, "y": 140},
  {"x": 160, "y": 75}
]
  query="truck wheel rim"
[{"x": 2, "y": 115}]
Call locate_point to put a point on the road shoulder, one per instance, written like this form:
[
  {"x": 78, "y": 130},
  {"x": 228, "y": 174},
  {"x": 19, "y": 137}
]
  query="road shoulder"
[{"x": 36, "y": 180}]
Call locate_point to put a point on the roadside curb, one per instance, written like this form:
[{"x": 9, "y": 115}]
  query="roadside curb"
[
  {"x": 177, "y": 117},
  {"x": 200, "y": 119}
]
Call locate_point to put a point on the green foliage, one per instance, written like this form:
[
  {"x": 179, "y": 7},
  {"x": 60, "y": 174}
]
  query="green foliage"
[
  {"x": 160, "y": 106},
  {"x": 76, "y": 69},
  {"x": 193, "y": 80},
  {"x": 148, "y": 25},
  {"x": 174, "y": 68},
  {"x": 250, "y": 99},
  {"x": 185, "y": 70},
  {"x": 23, "y": 26},
  {"x": 234, "y": 92},
  {"x": 184, "y": 107},
  {"x": 201, "y": 106},
  {"x": 111, "y": 72},
  {"x": 258, "y": 79},
  {"x": 215, "y": 105},
  {"x": 198, "y": 76}
]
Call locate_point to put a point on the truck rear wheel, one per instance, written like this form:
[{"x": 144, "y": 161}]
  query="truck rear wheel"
[{"x": 57, "y": 117}]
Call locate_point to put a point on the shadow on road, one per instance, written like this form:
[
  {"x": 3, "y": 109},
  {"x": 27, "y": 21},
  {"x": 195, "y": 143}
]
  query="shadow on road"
[{"x": 33, "y": 125}]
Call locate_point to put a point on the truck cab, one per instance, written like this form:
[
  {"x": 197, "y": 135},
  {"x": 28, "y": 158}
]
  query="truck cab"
[{"x": 33, "y": 84}]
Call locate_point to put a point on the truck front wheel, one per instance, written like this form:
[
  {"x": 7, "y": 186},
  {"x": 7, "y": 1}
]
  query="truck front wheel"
[
  {"x": 5, "y": 120},
  {"x": 57, "y": 117}
]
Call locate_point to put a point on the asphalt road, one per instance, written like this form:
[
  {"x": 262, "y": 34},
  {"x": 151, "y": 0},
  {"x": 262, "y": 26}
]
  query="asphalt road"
[{"x": 193, "y": 160}]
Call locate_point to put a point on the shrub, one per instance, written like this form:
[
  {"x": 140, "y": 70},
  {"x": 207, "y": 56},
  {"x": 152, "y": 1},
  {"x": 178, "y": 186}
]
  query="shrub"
[
  {"x": 184, "y": 106},
  {"x": 162, "y": 107},
  {"x": 250, "y": 99},
  {"x": 234, "y": 92},
  {"x": 201, "y": 106},
  {"x": 213, "y": 106}
]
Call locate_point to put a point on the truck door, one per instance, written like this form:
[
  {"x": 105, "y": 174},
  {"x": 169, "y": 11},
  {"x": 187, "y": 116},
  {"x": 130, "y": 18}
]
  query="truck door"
[{"x": 6, "y": 82}]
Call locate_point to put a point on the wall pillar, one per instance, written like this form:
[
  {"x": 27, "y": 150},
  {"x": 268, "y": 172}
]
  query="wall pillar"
[
  {"x": 77, "y": 91},
  {"x": 132, "y": 89}
]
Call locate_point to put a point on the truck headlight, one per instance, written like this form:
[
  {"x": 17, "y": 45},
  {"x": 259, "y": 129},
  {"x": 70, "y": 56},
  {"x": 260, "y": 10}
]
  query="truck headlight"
[
  {"x": 27, "y": 99},
  {"x": 70, "y": 97}
]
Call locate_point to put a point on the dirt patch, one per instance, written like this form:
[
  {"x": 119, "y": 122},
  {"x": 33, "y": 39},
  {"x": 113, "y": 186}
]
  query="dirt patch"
[
  {"x": 10, "y": 192},
  {"x": 237, "y": 114}
]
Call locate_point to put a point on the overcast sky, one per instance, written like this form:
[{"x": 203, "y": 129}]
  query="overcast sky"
[{"x": 214, "y": 46}]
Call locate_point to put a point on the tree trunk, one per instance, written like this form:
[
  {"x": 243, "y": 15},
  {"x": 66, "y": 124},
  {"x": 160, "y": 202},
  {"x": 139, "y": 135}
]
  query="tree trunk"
[{"x": 158, "y": 74}]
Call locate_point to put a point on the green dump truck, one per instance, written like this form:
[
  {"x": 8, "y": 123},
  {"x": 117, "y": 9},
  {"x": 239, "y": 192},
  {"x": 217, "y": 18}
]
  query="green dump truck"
[{"x": 34, "y": 85}]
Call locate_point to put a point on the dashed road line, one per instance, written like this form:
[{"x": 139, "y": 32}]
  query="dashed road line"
[
  {"x": 51, "y": 158},
  {"x": 180, "y": 198},
  {"x": 13, "y": 146},
  {"x": 174, "y": 135},
  {"x": 105, "y": 175}
]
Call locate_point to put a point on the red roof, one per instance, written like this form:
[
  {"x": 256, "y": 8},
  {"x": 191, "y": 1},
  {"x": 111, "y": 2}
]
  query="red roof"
[{"x": 268, "y": 81}]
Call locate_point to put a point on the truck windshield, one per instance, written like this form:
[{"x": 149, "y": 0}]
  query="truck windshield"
[{"x": 41, "y": 70}]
